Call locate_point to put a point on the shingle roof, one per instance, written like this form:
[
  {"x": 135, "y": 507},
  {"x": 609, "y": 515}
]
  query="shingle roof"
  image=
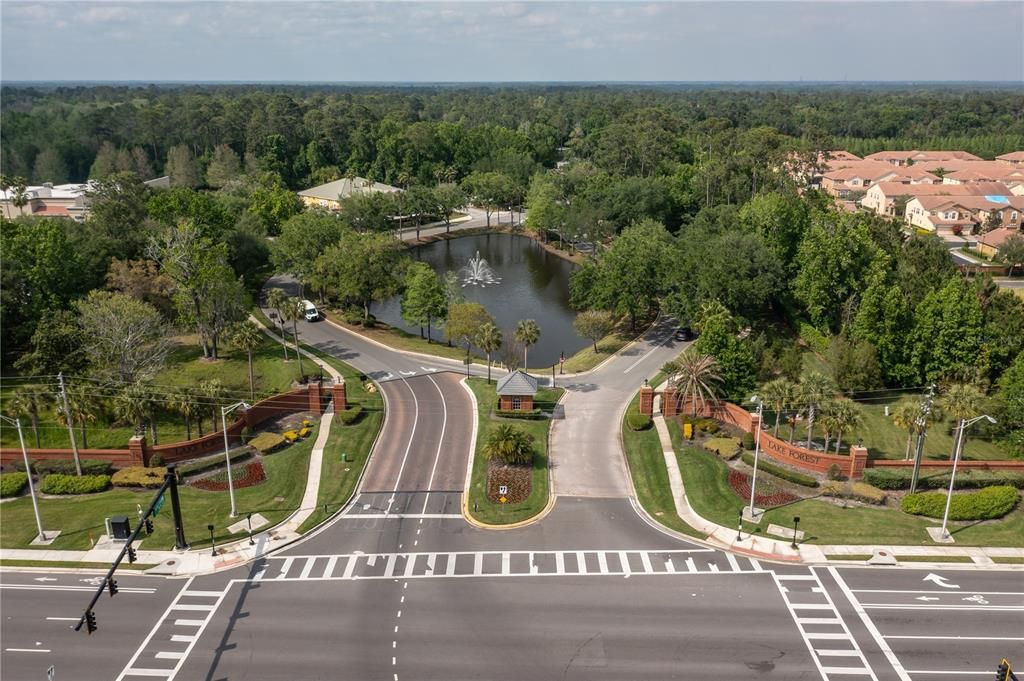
[{"x": 517, "y": 383}]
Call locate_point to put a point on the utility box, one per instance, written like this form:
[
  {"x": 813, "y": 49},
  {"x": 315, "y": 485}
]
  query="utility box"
[{"x": 119, "y": 527}]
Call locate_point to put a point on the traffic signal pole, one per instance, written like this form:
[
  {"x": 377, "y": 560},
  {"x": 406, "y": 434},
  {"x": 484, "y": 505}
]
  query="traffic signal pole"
[{"x": 170, "y": 482}]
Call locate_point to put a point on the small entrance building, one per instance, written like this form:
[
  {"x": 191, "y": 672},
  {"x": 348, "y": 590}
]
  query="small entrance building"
[{"x": 516, "y": 391}]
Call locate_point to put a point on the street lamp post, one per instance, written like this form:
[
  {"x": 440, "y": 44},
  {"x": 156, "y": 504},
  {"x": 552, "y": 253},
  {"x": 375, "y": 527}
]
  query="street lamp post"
[
  {"x": 224, "y": 411},
  {"x": 213, "y": 544},
  {"x": 248, "y": 517},
  {"x": 757, "y": 452},
  {"x": 964, "y": 425},
  {"x": 796, "y": 524},
  {"x": 28, "y": 473}
]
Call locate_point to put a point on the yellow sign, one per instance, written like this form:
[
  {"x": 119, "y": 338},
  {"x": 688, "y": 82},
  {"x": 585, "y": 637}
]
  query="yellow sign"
[
  {"x": 503, "y": 499},
  {"x": 688, "y": 431}
]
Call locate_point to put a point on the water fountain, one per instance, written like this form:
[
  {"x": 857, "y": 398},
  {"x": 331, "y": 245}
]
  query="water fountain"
[{"x": 478, "y": 273}]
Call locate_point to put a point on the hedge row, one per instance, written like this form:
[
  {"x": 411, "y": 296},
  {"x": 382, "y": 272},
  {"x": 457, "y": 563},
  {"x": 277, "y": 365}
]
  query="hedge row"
[
  {"x": 725, "y": 447},
  {"x": 780, "y": 472},
  {"x": 267, "y": 442},
  {"x": 885, "y": 478},
  {"x": 74, "y": 484},
  {"x": 351, "y": 414},
  {"x": 991, "y": 502},
  {"x": 638, "y": 421},
  {"x": 854, "y": 490},
  {"x": 11, "y": 484},
  {"x": 524, "y": 414},
  {"x": 66, "y": 466},
  {"x": 137, "y": 476}
]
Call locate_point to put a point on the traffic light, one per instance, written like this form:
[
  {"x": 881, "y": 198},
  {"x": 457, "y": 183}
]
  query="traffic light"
[
  {"x": 112, "y": 587},
  {"x": 90, "y": 621},
  {"x": 131, "y": 554},
  {"x": 149, "y": 526},
  {"x": 1004, "y": 672}
]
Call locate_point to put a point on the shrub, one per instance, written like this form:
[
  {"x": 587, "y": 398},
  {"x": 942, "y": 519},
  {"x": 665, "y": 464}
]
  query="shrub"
[
  {"x": 780, "y": 472},
  {"x": 748, "y": 441},
  {"x": 351, "y": 414},
  {"x": 854, "y": 490},
  {"x": 991, "y": 502},
  {"x": 528, "y": 415},
  {"x": 834, "y": 472},
  {"x": 816, "y": 340},
  {"x": 58, "y": 483},
  {"x": 638, "y": 421},
  {"x": 11, "y": 484},
  {"x": 67, "y": 467},
  {"x": 155, "y": 461},
  {"x": 725, "y": 447},
  {"x": 264, "y": 443},
  {"x": 137, "y": 476},
  {"x": 886, "y": 478},
  {"x": 708, "y": 426},
  {"x": 509, "y": 444}
]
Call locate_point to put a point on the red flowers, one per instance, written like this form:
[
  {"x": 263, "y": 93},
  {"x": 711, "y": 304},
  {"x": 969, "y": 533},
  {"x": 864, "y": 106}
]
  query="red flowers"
[
  {"x": 740, "y": 483},
  {"x": 252, "y": 474}
]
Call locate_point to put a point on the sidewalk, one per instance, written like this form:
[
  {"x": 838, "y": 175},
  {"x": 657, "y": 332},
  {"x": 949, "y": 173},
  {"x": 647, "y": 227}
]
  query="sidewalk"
[
  {"x": 199, "y": 561},
  {"x": 782, "y": 550}
]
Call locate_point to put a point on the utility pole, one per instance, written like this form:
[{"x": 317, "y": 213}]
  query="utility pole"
[
  {"x": 922, "y": 426},
  {"x": 67, "y": 419}
]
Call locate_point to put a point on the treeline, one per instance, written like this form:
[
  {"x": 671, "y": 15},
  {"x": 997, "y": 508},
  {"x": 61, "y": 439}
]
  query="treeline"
[{"x": 311, "y": 134}]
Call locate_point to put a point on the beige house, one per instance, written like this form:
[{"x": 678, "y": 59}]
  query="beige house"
[
  {"x": 909, "y": 158},
  {"x": 1015, "y": 158},
  {"x": 889, "y": 198},
  {"x": 858, "y": 177},
  {"x": 962, "y": 213},
  {"x": 990, "y": 242},
  {"x": 47, "y": 200},
  {"x": 331, "y": 195}
]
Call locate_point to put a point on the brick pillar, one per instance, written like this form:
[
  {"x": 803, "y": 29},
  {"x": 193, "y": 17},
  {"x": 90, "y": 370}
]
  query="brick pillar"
[
  {"x": 669, "y": 402},
  {"x": 755, "y": 423},
  {"x": 339, "y": 394},
  {"x": 313, "y": 390},
  {"x": 858, "y": 461},
  {"x": 137, "y": 450},
  {"x": 647, "y": 400}
]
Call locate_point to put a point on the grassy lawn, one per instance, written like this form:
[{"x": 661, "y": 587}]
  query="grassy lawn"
[
  {"x": 125, "y": 565},
  {"x": 81, "y": 518},
  {"x": 401, "y": 340},
  {"x": 185, "y": 368},
  {"x": 586, "y": 359},
  {"x": 650, "y": 476},
  {"x": 480, "y": 507},
  {"x": 705, "y": 477}
]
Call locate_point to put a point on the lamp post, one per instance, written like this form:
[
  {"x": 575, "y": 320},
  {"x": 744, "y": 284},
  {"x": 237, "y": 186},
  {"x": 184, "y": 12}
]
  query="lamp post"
[
  {"x": 757, "y": 452},
  {"x": 964, "y": 425},
  {"x": 28, "y": 473},
  {"x": 213, "y": 544},
  {"x": 739, "y": 528},
  {"x": 248, "y": 516},
  {"x": 224, "y": 411},
  {"x": 796, "y": 524}
]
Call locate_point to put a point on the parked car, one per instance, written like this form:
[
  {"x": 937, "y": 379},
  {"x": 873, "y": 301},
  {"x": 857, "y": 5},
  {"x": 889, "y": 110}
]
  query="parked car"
[{"x": 683, "y": 333}]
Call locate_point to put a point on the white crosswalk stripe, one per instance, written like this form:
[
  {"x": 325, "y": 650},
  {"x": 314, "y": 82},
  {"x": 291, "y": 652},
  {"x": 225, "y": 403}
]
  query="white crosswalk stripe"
[{"x": 502, "y": 564}]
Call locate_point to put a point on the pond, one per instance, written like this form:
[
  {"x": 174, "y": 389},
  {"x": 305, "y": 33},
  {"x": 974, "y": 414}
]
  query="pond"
[{"x": 514, "y": 279}]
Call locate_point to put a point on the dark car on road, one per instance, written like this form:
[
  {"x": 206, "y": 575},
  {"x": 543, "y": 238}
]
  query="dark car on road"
[{"x": 683, "y": 333}]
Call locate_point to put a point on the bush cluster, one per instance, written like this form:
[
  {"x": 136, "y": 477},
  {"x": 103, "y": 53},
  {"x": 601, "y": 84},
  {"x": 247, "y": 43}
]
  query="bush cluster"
[
  {"x": 886, "y": 478},
  {"x": 858, "y": 491},
  {"x": 137, "y": 476},
  {"x": 991, "y": 502},
  {"x": 351, "y": 414},
  {"x": 725, "y": 447},
  {"x": 638, "y": 421},
  {"x": 526, "y": 415},
  {"x": 815, "y": 339},
  {"x": 11, "y": 484},
  {"x": 748, "y": 441},
  {"x": 58, "y": 483},
  {"x": 707, "y": 426},
  {"x": 264, "y": 443},
  {"x": 67, "y": 466},
  {"x": 780, "y": 472}
]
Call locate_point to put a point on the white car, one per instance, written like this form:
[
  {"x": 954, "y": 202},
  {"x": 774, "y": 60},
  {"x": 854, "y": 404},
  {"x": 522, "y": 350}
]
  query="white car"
[{"x": 309, "y": 311}]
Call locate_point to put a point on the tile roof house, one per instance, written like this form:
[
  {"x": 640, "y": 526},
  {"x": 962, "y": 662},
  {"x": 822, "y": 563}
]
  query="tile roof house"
[
  {"x": 516, "y": 391},
  {"x": 1013, "y": 158},
  {"x": 960, "y": 213},
  {"x": 860, "y": 176},
  {"x": 990, "y": 242},
  {"x": 330, "y": 195},
  {"x": 883, "y": 198},
  {"x": 903, "y": 158}
]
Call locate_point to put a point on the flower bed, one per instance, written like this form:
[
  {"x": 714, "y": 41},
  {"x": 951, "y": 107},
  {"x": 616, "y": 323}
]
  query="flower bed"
[
  {"x": 770, "y": 496},
  {"x": 249, "y": 475},
  {"x": 518, "y": 480}
]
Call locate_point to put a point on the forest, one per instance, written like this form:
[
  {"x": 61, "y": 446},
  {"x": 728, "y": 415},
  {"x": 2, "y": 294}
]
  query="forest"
[{"x": 687, "y": 192}]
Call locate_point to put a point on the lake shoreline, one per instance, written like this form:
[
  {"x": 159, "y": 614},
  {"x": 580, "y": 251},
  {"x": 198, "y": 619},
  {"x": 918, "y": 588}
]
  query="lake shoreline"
[{"x": 575, "y": 259}]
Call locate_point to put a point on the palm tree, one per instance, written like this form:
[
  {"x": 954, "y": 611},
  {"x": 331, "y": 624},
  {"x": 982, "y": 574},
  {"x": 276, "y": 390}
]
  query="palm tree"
[
  {"x": 527, "y": 333},
  {"x": 905, "y": 416},
  {"x": 814, "y": 388},
  {"x": 847, "y": 417},
  {"x": 246, "y": 336},
  {"x": 277, "y": 298},
  {"x": 694, "y": 377},
  {"x": 133, "y": 404},
  {"x": 779, "y": 393},
  {"x": 488, "y": 339},
  {"x": 509, "y": 445},
  {"x": 186, "y": 403},
  {"x": 828, "y": 417},
  {"x": 962, "y": 401},
  {"x": 83, "y": 408},
  {"x": 291, "y": 310},
  {"x": 28, "y": 401}
]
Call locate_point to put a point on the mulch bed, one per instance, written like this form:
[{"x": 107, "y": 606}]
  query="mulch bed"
[
  {"x": 249, "y": 475},
  {"x": 770, "y": 495},
  {"x": 518, "y": 479}
]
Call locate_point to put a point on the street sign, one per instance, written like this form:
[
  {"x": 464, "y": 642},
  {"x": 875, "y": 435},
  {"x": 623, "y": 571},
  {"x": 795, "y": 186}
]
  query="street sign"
[
  {"x": 502, "y": 490},
  {"x": 503, "y": 499},
  {"x": 158, "y": 505}
]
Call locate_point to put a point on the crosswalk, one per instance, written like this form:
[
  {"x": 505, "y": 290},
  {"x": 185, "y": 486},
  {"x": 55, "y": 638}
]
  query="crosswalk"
[
  {"x": 834, "y": 649},
  {"x": 502, "y": 564},
  {"x": 164, "y": 651}
]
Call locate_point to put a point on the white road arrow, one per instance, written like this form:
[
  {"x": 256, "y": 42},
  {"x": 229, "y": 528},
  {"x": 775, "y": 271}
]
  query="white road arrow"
[
  {"x": 926, "y": 598},
  {"x": 45, "y": 579},
  {"x": 432, "y": 369},
  {"x": 940, "y": 581},
  {"x": 387, "y": 377},
  {"x": 407, "y": 373}
]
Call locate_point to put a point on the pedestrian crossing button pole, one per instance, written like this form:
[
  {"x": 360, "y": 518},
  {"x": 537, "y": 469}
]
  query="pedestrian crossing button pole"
[{"x": 248, "y": 516}]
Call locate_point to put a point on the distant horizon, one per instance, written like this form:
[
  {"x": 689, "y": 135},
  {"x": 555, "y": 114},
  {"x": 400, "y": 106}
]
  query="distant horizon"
[{"x": 127, "y": 81}]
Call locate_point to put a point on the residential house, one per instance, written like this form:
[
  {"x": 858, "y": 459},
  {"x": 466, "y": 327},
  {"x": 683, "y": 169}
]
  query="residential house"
[
  {"x": 516, "y": 391},
  {"x": 890, "y": 198},
  {"x": 909, "y": 158},
  {"x": 842, "y": 182},
  {"x": 1014, "y": 158},
  {"x": 331, "y": 195},
  {"x": 990, "y": 242},
  {"x": 957, "y": 214}
]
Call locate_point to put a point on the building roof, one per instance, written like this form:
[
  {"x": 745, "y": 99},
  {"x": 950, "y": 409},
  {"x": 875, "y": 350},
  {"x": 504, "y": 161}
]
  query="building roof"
[
  {"x": 997, "y": 237},
  {"x": 973, "y": 189},
  {"x": 870, "y": 170},
  {"x": 917, "y": 156},
  {"x": 971, "y": 202},
  {"x": 1013, "y": 157},
  {"x": 517, "y": 383},
  {"x": 346, "y": 187}
]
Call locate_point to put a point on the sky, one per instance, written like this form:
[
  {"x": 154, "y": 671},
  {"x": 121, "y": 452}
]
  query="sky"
[{"x": 486, "y": 40}]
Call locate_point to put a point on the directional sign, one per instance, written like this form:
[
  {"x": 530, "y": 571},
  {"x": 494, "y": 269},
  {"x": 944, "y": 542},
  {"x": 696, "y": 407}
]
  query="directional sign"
[
  {"x": 159, "y": 505},
  {"x": 503, "y": 499},
  {"x": 939, "y": 581},
  {"x": 502, "y": 490}
]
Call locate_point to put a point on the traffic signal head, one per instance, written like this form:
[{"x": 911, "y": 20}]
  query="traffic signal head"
[
  {"x": 131, "y": 554},
  {"x": 1003, "y": 671},
  {"x": 90, "y": 621},
  {"x": 112, "y": 587},
  {"x": 149, "y": 526}
]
